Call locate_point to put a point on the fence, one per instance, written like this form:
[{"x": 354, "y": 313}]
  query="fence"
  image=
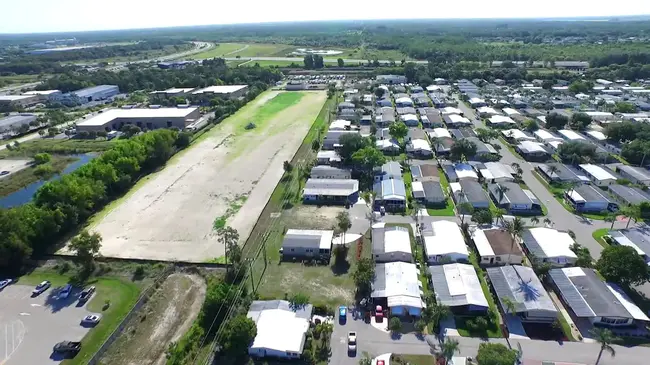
[{"x": 144, "y": 298}]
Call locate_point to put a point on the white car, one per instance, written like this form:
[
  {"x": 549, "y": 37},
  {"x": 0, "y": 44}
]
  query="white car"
[
  {"x": 91, "y": 319},
  {"x": 5, "y": 283},
  {"x": 352, "y": 342},
  {"x": 40, "y": 288}
]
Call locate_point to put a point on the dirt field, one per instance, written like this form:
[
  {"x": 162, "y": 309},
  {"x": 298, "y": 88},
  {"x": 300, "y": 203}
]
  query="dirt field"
[
  {"x": 165, "y": 318},
  {"x": 229, "y": 175}
]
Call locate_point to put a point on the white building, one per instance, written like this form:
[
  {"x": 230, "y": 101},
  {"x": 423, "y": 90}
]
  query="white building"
[
  {"x": 340, "y": 125},
  {"x": 419, "y": 147},
  {"x": 497, "y": 172},
  {"x": 399, "y": 284},
  {"x": 510, "y": 112},
  {"x": 549, "y": 245},
  {"x": 465, "y": 171},
  {"x": 570, "y": 135},
  {"x": 598, "y": 175},
  {"x": 501, "y": 120},
  {"x": 281, "y": 331},
  {"x": 545, "y": 136},
  {"x": 457, "y": 286},
  {"x": 450, "y": 110},
  {"x": 477, "y": 102},
  {"x": 458, "y": 119},
  {"x": 444, "y": 242},
  {"x": 230, "y": 91},
  {"x": 391, "y": 243},
  {"x": 517, "y": 135},
  {"x": 496, "y": 247},
  {"x": 486, "y": 111},
  {"x": 115, "y": 119},
  {"x": 440, "y": 133}
]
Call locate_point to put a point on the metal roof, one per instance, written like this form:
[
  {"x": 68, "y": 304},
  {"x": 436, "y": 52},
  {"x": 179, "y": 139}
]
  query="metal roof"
[
  {"x": 457, "y": 284},
  {"x": 304, "y": 238},
  {"x": 257, "y": 306},
  {"x": 629, "y": 194},
  {"x": 473, "y": 192},
  {"x": 514, "y": 194},
  {"x": 390, "y": 189},
  {"x": 521, "y": 286},
  {"x": 390, "y": 239},
  {"x": 590, "y": 193},
  {"x": 90, "y": 91},
  {"x": 638, "y": 238},
  {"x": 546, "y": 242},
  {"x": 333, "y": 187}
]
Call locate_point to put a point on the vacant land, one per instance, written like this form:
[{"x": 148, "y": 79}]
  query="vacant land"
[
  {"x": 229, "y": 171},
  {"x": 363, "y": 53},
  {"x": 245, "y": 50},
  {"x": 165, "y": 318}
]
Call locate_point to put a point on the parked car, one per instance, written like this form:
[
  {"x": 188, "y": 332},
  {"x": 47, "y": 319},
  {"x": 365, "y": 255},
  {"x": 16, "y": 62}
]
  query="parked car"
[
  {"x": 40, "y": 288},
  {"x": 86, "y": 294},
  {"x": 91, "y": 319},
  {"x": 3, "y": 173},
  {"x": 5, "y": 283},
  {"x": 343, "y": 314},
  {"x": 379, "y": 314},
  {"x": 67, "y": 348},
  {"x": 352, "y": 342},
  {"x": 65, "y": 292}
]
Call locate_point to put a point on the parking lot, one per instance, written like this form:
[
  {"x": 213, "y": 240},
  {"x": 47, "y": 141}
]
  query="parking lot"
[{"x": 31, "y": 326}]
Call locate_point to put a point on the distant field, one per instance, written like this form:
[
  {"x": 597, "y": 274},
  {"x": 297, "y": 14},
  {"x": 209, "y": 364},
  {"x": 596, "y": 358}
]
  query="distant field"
[
  {"x": 17, "y": 79},
  {"x": 370, "y": 54},
  {"x": 244, "y": 50}
]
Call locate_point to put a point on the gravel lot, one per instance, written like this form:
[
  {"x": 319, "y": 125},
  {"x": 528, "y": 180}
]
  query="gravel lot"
[
  {"x": 231, "y": 174},
  {"x": 30, "y": 327}
]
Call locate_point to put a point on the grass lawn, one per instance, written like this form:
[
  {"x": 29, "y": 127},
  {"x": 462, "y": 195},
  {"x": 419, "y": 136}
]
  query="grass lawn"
[
  {"x": 447, "y": 211},
  {"x": 400, "y": 359},
  {"x": 20, "y": 179},
  {"x": 122, "y": 295},
  {"x": 493, "y": 331},
  {"x": 246, "y": 50},
  {"x": 220, "y": 50},
  {"x": 566, "y": 328},
  {"x": 598, "y": 236}
]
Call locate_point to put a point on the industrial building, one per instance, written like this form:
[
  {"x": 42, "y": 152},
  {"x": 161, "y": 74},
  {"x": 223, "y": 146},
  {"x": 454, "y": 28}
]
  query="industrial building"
[
  {"x": 13, "y": 122},
  {"x": 94, "y": 93},
  {"x": 227, "y": 91},
  {"x": 19, "y": 101},
  {"x": 174, "y": 91},
  {"x": 45, "y": 95},
  {"x": 115, "y": 119}
]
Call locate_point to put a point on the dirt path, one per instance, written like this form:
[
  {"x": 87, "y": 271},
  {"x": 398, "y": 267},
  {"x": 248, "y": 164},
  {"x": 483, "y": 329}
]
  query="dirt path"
[
  {"x": 165, "y": 318},
  {"x": 229, "y": 174}
]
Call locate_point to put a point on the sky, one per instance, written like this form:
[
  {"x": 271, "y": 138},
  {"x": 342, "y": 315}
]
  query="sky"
[{"x": 36, "y": 16}]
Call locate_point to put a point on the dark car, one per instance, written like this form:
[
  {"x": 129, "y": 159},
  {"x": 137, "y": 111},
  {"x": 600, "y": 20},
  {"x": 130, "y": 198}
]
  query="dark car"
[
  {"x": 86, "y": 294},
  {"x": 67, "y": 348}
]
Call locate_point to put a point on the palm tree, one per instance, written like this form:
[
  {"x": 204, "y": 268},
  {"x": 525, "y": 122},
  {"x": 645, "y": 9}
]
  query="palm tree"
[
  {"x": 572, "y": 185},
  {"x": 502, "y": 191},
  {"x": 343, "y": 223},
  {"x": 534, "y": 220},
  {"x": 449, "y": 348},
  {"x": 610, "y": 218},
  {"x": 509, "y": 306},
  {"x": 499, "y": 214},
  {"x": 548, "y": 221},
  {"x": 631, "y": 212},
  {"x": 605, "y": 338},
  {"x": 515, "y": 228},
  {"x": 518, "y": 170},
  {"x": 436, "y": 142},
  {"x": 552, "y": 170}
]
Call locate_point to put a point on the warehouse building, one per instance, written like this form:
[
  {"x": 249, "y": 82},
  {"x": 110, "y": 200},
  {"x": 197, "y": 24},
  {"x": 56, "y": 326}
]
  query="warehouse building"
[
  {"x": 19, "y": 101},
  {"x": 115, "y": 119},
  {"x": 94, "y": 93},
  {"x": 226, "y": 91},
  {"x": 45, "y": 95},
  {"x": 13, "y": 122}
]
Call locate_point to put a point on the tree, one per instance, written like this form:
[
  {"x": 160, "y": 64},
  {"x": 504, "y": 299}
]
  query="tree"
[
  {"x": 499, "y": 213},
  {"x": 462, "y": 149},
  {"x": 495, "y": 354},
  {"x": 515, "y": 228},
  {"x": 584, "y": 257},
  {"x": 555, "y": 120},
  {"x": 486, "y": 135},
  {"x": 41, "y": 158},
  {"x": 367, "y": 158},
  {"x": 363, "y": 275},
  {"x": 343, "y": 222},
  {"x": 635, "y": 152},
  {"x": 395, "y": 324},
  {"x": 229, "y": 238},
  {"x": 340, "y": 62},
  {"x": 238, "y": 334},
  {"x": 183, "y": 139},
  {"x": 610, "y": 217},
  {"x": 86, "y": 246},
  {"x": 518, "y": 170},
  {"x": 318, "y": 61},
  {"x": 580, "y": 121},
  {"x": 631, "y": 212},
  {"x": 622, "y": 265},
  {"x": 605, "y": 338},
  {"x": 509, "y": 306},
  {"x": 410, "y": 71},
  {"x": 309, "y": 61},
  {"x": 298, "y": 301},
  {"x": 624, "y": 107},
  {"x": 419, "y": 326},
  {"x": 577, "y": 87},
  {"x": 287, "y": 166},
  {"x": 398, "y": 130},
  {"x": 531, "y": 125},
  {"x": 534, "y": 221},
  {"x": 434, "y": 313},
  {"x": 575, "y": 152},
  {"x": 449, "y": 348},
  {"x": 351, "y": 143},
  {"x": 482, "y": 216},
  {"x": 379, "y": 92},
  {"x": 331, "y": 91}
]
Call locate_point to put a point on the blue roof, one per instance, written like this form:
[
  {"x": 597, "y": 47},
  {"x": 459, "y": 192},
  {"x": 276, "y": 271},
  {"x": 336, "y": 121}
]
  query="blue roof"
[{"x": 89, "y": 91}]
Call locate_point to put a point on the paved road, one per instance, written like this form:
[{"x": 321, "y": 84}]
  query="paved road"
[
  {"x": 299, "y": 60},
  {"x": 11, "y": 88}
]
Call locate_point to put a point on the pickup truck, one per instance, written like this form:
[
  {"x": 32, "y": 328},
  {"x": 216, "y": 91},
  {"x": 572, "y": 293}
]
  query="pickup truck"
[{"x": 67, "y": 348}]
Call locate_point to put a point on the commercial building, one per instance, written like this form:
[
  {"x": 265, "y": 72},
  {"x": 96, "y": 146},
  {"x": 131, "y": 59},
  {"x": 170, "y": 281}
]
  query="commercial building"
[
  {"x": 457, "y": 286},
  {"x": 149, "y": 118},
  {"x": 397, "y": 286},
  {"x": 307, "y": 244},
  {"x": 390, "y": 244},
  {"x": 549, "y": 245},
  {"x": 602, "y": 303},
  {"x": 45, "y": 95},
  {"x": 13, "y": 122},
  {"x": 444, "y": 243},
  {"x": 226, "y": 91},
  {"x": 495, "y": 246},
  {"x": 19, "y": 101},
  {"x": 281, "y": 329},
  {"x": 520, "y": 286},
  {"x": 94, "y": 93}
]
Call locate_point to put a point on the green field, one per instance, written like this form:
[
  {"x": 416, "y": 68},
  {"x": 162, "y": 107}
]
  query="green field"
[
  {"x": 244, "y": 50},
  {"x": 17, "y": 79},
  {"x": 371, "y": 54},
  {"x": 121, "y": 293}
]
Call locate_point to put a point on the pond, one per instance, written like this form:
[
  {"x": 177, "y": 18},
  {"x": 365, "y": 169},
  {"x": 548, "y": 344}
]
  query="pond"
[{"x": 26, "y": 194}]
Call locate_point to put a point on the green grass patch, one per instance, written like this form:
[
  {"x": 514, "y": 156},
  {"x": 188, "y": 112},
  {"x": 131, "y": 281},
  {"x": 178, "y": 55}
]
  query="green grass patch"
[
  {"x": 492, "y": 331},
  {"x": 233, "y": 208},
  {"x": 21, "y": 179},
  {"x": 599, "y": 236},
  {"x": 57, "y": 146},
  {"x": 122, "y": 296},
  {"x": 566, "y": 328},
  {"x": 400, "y": 359},
  {"x": 448, "y": 210},
  {"x": 274, "y": 106},
  {"x": 244, "y": 50}
]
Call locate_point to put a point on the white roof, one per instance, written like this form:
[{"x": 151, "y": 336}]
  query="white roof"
[
  {"x": 476, "y": 101},
  {"x": 455, "y": 187},
  {"x": 597, "y": 172},
  {"x": 555, "y": 144},
  {"x": 510, "y": 111},
  {"x": 497, "y": 170},
  {"x": 280, "y": 330},
  {"x": 500, "y": 119},
  {"x": 409, "y": 117},
  {"x": 463, "y": 282},
  {"x": 546, "y": 136},
  {"x": 440, "y": 132},
  {"x": 599, "y": 114},
  {"x": 532, "y": 146},
  {"x": 582, "y": 96},
  {"x": 576, "y": 197},
  {"x": 432, "y": 88},
  {"x": 340, "y": 124},
  {"x": 174, "y": 90},
  {"x": 402, "y": 284},
  {"x": 465, "y": 171},
  {"x": 553, "y": 242},
  {"x": 396, "y": 239},
  {"x": 450, "y": 110},
  {"x": 420, "y": 144},
  {"x": 597, "y": 135},
  {"x": 221, "y": 89},
  {"x": 487, "y": 110},
  {"x": 326, "y": 236},
  {"x": 447, "y": 239},
  {"x": 482, "y": 244},
  {"x": 111, "y": 114},
  {"x": 417, "y": 186},
  {"x": 41, "y": 92},
  {"x": 622, "y": 298},
  {"x": 571, "y": 135},
  {"x": 385, "y": 144},
  {"x": 455, "y": 118},
  {"x": 15, "y": 97},
  {"x": 517, "y": 135},
  {"x": 542, "y": 118},
  {"x": 404, "y": 100}
]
